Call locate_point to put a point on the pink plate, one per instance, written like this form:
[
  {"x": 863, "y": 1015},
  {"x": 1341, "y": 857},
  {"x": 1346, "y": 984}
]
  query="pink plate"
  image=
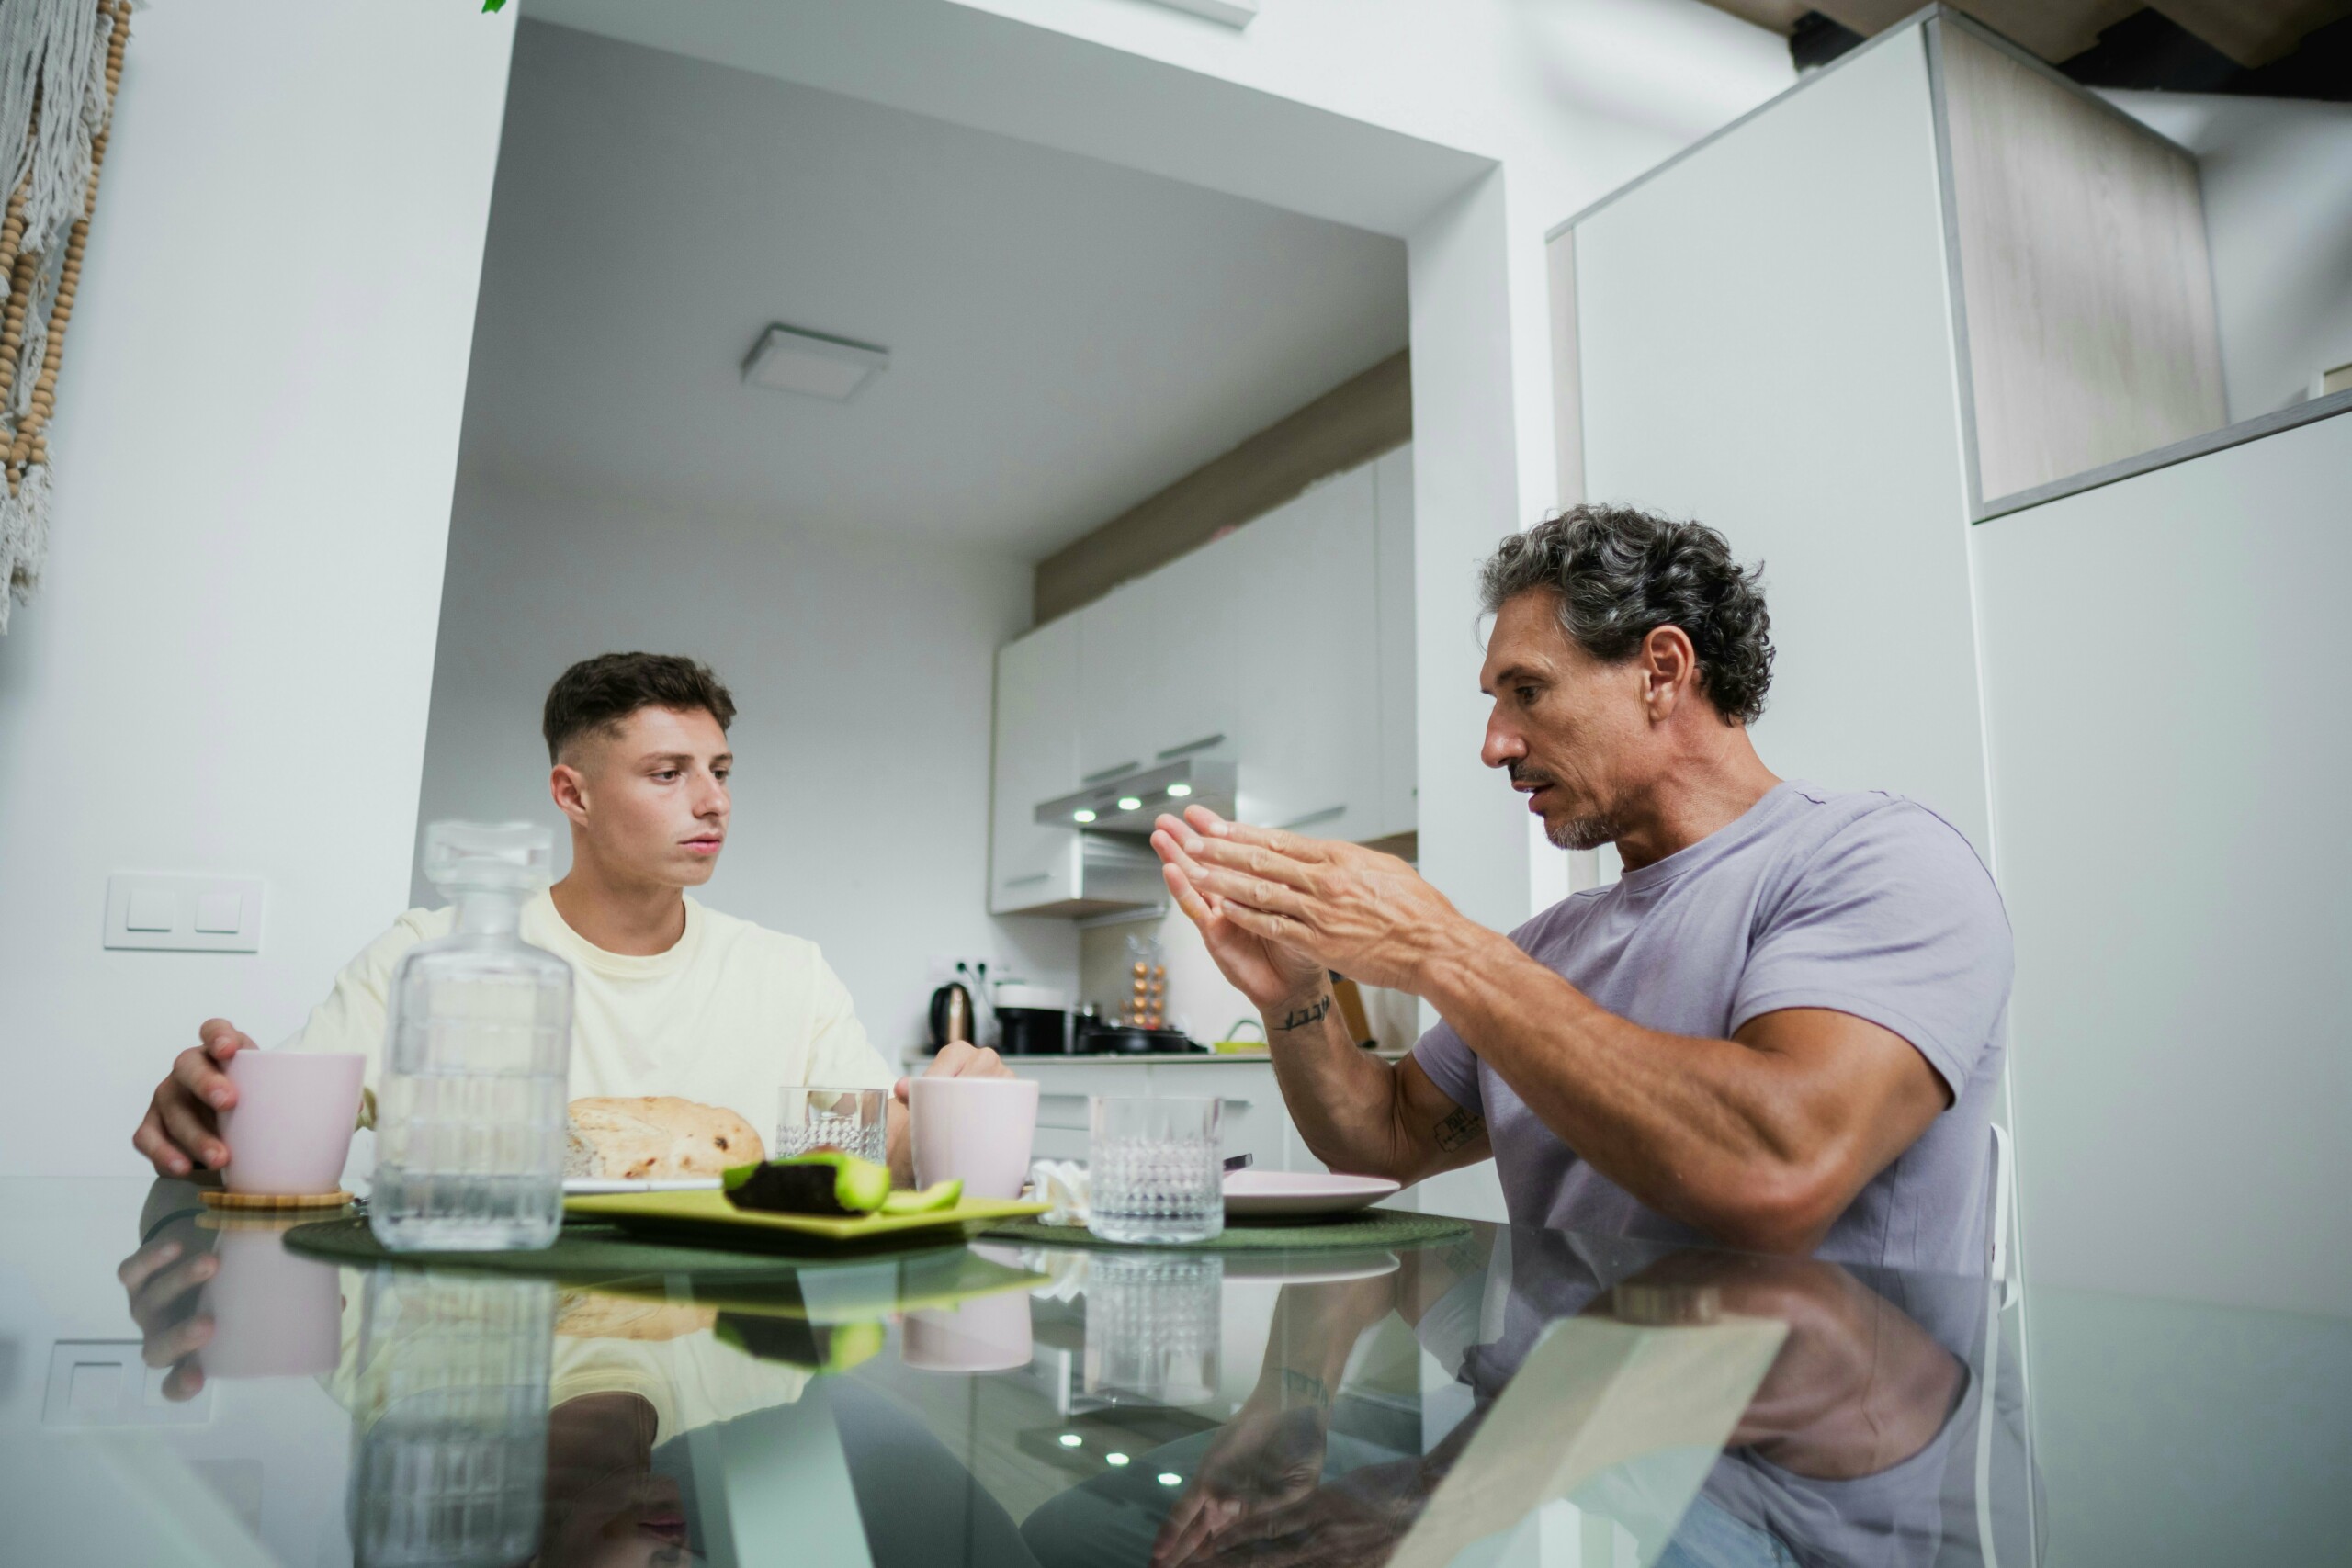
[{"x": 1270, "y": 1194}]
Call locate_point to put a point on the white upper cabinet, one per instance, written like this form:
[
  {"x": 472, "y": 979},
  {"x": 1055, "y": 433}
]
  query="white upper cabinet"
[
  {"x": 1036, "y": 759},
  {"x": 1196, "y": 669},
  {"x": 1157, "y": 667},
  {"x": 1307, "y": 623},
  {"x": 1399, "y": 808},
  {"x": 1285, "y": 648}
]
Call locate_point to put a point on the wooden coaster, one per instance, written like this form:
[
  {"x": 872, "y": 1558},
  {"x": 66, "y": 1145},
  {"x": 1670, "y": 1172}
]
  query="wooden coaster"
[{"x": 334, "y": 1200}]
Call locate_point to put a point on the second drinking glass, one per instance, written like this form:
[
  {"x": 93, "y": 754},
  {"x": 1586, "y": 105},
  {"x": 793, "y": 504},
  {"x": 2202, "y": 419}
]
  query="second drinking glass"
[
  {"x": 1155, "y": 1171},
  {"x": 850, "y": 1119}
]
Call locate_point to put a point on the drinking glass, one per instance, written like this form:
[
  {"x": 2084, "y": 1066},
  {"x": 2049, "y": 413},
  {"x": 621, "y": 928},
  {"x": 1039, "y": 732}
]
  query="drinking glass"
[
  {"x": 850, "y": 1120},
  {"x": 1153, "y": 1170}
]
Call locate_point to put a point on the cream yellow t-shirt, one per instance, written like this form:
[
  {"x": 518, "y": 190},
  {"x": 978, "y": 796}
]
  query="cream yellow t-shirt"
[{"x": 731, "y": 1015}]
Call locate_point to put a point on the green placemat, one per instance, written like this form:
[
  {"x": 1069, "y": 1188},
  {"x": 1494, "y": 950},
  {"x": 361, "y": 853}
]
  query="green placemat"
[
  {"x": 1388, "y": 1228},
  {"x": 591, "y": 1254}
]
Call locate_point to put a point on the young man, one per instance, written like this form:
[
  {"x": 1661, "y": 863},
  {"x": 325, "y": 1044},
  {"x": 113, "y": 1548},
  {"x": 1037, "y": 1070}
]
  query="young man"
[
  {"x": 1781, "y": 1031},
  {"x": 668, "y": 997}
]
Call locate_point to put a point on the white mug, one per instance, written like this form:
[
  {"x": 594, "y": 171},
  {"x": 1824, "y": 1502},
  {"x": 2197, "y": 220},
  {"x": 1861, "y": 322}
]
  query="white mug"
[
  {"x": 978, "y": 1129},
  {"x": 291, "y": 1129}
]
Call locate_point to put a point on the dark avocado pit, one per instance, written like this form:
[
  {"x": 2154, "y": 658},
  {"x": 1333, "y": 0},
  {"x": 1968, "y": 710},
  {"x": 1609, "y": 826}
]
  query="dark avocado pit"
[{"x": 826, "y": 1183}]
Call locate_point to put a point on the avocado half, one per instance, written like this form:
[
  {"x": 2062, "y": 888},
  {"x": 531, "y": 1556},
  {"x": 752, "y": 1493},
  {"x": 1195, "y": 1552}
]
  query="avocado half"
[
  {"x": 929, "y": 1200},
  {"x": 826, "y": 1183}
]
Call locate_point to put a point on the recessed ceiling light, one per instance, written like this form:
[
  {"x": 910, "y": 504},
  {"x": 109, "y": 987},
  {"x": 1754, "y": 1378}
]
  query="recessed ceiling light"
[
  {"x": 1130, "y": 803},
  {"x": 1071, "y": 1440},
  {"x": 1114, "y": 1459},
  {"x": 1179, "y": 791},
  {"x": 1081, "y": 815},
  {"x": 817, "y": 365}
]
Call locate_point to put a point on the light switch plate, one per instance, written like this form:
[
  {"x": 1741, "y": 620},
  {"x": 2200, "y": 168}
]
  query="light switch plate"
[
  {"x": 189, "y": 914},
  {"x": 106, "y": 1382},
  {"x": 220, "y": 914}
]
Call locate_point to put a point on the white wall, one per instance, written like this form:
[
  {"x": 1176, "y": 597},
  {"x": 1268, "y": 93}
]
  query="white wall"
[
  {"x": 227, "y": 667},
  {"x": 1741, "y": 367},
  {"x": 1469, "y": 127},
  {"x": 862, "y": 670},
  {"x": 2161, "y": 663},
  {"x": 2278, "y": 181}
]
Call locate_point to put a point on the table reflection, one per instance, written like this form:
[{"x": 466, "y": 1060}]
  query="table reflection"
[
  {"x": 1502, "y": 1395},
  {"x": 450, "y": 1423}
]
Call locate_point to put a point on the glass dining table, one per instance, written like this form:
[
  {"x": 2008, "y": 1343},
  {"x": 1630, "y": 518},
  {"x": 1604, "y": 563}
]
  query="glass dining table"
[{"x": 180, "y": 1385}]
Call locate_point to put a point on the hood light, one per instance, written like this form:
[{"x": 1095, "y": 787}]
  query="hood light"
[
  {"x": 1130, "y": 803},
  {"x": 1081, "y": 815},
  {"x": 1179, "y": 791}
]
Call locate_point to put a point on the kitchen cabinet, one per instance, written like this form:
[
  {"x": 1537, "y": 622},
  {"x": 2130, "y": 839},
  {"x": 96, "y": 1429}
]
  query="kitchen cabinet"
[
  {"x": 1399, "y": 800},
  {"x": 1036, "y": 759},
  {"x": 1114, "y": 663},
  {"x": 1307, "y": 719},
  {"x": 1157, "y": 666},
  {"x": 1285, "y": 648}
]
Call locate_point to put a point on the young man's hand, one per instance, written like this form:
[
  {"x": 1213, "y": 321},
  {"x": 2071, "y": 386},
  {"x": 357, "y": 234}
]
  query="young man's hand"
[
  {"x": 161, "y": 1281},
  {"x": 181, "y": 1131},
  {"x": 959, "y": 1059}
]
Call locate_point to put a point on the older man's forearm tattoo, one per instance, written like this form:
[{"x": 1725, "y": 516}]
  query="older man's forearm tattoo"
[
  {"x": 1458, "y": 1130},
  {"x": 1300, "y": 1017},
  {"x": 1301, "y": 1388}
]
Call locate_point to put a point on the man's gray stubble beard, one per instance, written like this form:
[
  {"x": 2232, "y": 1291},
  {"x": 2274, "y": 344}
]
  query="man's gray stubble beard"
[{"x": 1582, "y": 833}]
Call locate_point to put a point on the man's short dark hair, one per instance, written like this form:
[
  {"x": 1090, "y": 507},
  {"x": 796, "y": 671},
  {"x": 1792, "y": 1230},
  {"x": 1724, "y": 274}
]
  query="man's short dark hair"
[
  {"x": 597, "y": 694},
  {"x": 1620, "y": 574}
]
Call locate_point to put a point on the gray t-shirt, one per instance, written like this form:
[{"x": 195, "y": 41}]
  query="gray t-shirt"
[{"x": 1865, "y": 903}]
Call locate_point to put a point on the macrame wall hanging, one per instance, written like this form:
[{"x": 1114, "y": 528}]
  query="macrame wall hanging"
[{"x": 60, "y": 63}]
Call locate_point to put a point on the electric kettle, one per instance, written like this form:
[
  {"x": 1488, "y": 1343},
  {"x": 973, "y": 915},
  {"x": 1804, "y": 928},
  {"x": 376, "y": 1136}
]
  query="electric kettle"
[{"x": 951, "y": 1015}]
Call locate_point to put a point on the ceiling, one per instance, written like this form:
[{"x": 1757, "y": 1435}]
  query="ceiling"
[
  {"x": 1067, "y": 336},
  {"x": 2249, "y": 32}
]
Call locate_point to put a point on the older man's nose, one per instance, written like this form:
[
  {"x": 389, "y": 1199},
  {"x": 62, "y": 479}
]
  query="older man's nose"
[{"x": 1503, "y": 746}]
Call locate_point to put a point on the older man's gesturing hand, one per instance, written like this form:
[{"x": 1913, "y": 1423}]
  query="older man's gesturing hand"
[{"x": 1367, "y": 915}]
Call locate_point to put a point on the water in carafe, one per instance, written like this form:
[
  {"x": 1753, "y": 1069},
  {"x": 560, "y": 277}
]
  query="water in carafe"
[{"x": 470, "y": 1114}]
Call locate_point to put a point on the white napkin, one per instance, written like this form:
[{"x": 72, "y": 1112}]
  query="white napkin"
[{"x": 1062, "y": 1183}]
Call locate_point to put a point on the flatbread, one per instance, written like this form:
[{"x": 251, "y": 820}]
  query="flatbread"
[{"x": 656, "y": 1138}]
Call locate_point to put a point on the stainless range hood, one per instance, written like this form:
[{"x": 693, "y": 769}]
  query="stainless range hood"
[
  {"x": 1127, "y": 803},
  {"x": 1118, "y": 874}
]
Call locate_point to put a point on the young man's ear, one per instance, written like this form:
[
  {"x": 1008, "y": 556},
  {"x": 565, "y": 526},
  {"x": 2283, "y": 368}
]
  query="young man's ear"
[{"x": 569, "y": 789}]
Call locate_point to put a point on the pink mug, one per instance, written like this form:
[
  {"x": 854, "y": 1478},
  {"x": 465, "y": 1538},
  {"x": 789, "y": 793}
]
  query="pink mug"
[
  {"x": 978, "y": 1129},
  {"x": 291, "y": 1129}
]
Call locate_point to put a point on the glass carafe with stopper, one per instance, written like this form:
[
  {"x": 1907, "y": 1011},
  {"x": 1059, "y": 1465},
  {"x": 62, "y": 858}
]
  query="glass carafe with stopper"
[{"x": 470, "y": 1116}]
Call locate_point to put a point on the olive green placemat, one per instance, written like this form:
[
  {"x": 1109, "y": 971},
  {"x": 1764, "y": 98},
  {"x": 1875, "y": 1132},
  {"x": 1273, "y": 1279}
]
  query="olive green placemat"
[
  {"x": 1367, "y": 1228},
  {"x": 587, "y": 1254}
]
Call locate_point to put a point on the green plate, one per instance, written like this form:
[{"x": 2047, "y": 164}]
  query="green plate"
[{"x": 707, "y": 1213}]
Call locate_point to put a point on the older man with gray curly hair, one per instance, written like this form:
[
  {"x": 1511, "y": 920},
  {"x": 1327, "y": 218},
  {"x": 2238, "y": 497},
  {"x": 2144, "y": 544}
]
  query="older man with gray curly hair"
[{"x": 1781, "y": 1030}]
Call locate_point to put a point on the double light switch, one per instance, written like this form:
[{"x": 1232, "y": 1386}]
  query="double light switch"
[{"x": 196, "y": 914}]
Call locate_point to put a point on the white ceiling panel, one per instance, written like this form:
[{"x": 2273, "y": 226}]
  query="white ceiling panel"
[{"x": 1065, "y": 336}]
